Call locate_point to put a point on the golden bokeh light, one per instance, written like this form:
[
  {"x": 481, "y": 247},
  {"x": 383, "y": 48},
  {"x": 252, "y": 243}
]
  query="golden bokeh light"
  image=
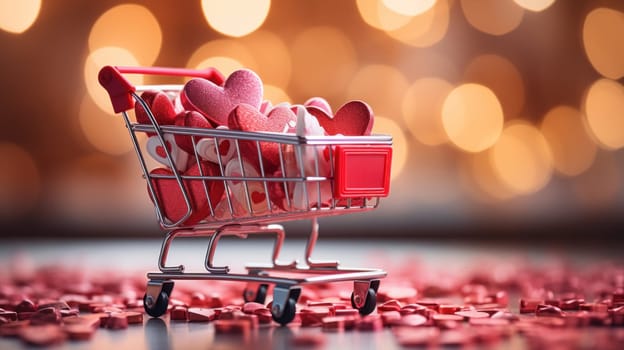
[
  {"x": 502, "y": 76},
  {"x": 604, "y": 42},
  {"x": 422, "y": 109},
  {"x": 430, "y": 63},
  {"x": 400, "y": 145},
  {"x": 106, "y": 132},
  {"x": 535, "y": 5},
  {"x": 235, "y": 17},
  {"x": 493, "y": 17},
  {"x": 129, "y": 26},
  {"x": 271, "y": 55},
  {"x": 114, "y": 56},
  {"x": 425, "y": 29},
  {"x": 224, "y": 65},
  {"x": 409, "y": 7},
  {"x": 275, "y": 94},
  {"x": 472, "y": 117},
  {"x": 572, "y": 148},
  {"x": 324, "y": 61},
  {"x": 481, "y": 179},
  {"x": 604, "y": 109},
  {"x": 521, "y": 158},
  {"x": 20, "y": 181},
  {"x": 376, "y": 14},
  {"x": 17, "y": 16},
  {"x": 599, "y": 187},
  {"x": 227, "y": 55},
  {"x": 381, "y": 86}
]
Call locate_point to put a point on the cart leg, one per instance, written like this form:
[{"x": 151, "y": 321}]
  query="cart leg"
[
  {"x": 364, "y": 296},
  {"x": 243, "y": 232},
  {"x": 280, "y": 235},
  {"x": 284, "y": 303},
  {"x": 310, "y": 247},
  {"x": 156, "y": 298},
  {"x": 212, "y": 247},
  {"x": 164, "y": 251}
]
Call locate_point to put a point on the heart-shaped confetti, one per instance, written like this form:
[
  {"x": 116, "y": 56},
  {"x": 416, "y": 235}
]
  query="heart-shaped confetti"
[
  {"x": 156, "y": 150},
  {"x": 216, "y": 102},
  {"x": 354, "y": 118}
]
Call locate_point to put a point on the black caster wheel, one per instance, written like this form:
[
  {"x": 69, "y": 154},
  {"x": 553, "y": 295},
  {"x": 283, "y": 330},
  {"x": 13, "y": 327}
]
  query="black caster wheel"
[
  {"x": 369, "y": 305},
  {"x": 158, "y": 307},
  {"x": 261, "y": 293},
  {"x": 288, "y": 314}
]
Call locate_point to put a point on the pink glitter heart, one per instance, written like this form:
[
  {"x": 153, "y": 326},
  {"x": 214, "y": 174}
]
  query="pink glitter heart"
[{"x": 216, "y": 102}]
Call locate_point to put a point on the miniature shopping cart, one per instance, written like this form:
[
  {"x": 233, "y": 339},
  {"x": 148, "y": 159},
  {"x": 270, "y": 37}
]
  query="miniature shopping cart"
[{"x": 331, "y": 175}]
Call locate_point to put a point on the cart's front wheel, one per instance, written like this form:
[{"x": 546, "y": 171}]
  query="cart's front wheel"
[
  {"x": 369, "y": 304},
  {"x": 158, "y": 307},
  {"x": 288, "y": 314},
  {"x": 260, "y": 295}
]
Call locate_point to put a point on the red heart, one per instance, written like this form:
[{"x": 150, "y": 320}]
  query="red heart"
[
  {"x": 171, "y": 199},
  {"x": 247, "y": 118},
  {"x": 354, "y": 118},
  {"x": 277, "y": 191},
  {"x": 190, "y": 119},
  {"x": 216, "y": 102},
  {"x": 160, "y": 150},
  {"x": 224, "y": 147},
  {"x": 258, "y": 197},
  {"x": 160, "y": 105}
]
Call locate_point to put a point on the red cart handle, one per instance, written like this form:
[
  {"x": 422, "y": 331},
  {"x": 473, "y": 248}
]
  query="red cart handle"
[{"x": 120, "y": 89}]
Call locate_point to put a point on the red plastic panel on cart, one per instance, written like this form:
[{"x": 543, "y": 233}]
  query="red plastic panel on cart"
[{"x": 362, "y": 171}]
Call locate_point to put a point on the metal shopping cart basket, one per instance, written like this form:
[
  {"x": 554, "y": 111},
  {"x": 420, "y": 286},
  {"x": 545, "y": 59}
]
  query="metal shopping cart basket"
[{"x": 316, "y": 176}]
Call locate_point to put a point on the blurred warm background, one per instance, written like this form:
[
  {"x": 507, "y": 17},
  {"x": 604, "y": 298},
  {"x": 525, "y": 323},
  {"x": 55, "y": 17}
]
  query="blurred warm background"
[{"x": 507, "y": 115}]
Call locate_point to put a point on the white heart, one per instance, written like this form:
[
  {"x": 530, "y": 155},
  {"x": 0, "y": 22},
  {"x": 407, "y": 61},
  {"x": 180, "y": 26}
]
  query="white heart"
[
  {"x": 155, "y": 149},
  {"x": 208, "y": 151},
  {"x": 241, "y": 198},
  {"x": 313, "y": 190}
]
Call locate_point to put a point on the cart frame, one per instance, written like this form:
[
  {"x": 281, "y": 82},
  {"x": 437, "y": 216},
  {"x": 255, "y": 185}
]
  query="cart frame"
[{"x": 349, "y": 198}]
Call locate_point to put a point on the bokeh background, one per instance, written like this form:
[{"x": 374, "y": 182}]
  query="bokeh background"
[{"x": 507, "y": 115}]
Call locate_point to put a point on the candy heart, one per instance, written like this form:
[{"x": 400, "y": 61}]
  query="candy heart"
[
  {"x": 160, "y": 105},
  {"x": 255, "y": 195},
  {"x": 223, "y": 212},
  {"x": 265, "y": 107},
  {"x": 354, "y": 118},
  {"x": 156, "y": 150},
  {"x": 190, "y": 119},
  {"x": 206, "y": 149},
  {"x": 247, "y": 118},
  {"x": 318, "y": 194},
  {"x": 319, "y": 102},
  {"x": 307, "y": 124},
  {"x": 314, "y": 158},
  {"x": 216, "y": 102},
  {"x": 171, "y": 199},
  {"x": 177, "y": 104}
]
